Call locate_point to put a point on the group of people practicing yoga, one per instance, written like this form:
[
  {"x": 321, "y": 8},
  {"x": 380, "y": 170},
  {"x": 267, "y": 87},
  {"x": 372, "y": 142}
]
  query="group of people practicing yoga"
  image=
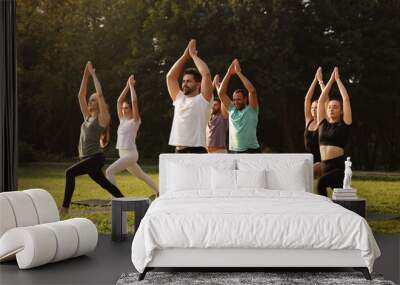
[{"x": 201, "y": 123}]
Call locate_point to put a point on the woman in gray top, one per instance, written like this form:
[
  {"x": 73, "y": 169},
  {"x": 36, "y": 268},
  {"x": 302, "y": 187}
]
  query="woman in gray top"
[{"x": 94, "y": 136}]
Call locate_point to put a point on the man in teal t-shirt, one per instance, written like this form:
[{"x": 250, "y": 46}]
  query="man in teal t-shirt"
[{"x": 243, "y": 113}]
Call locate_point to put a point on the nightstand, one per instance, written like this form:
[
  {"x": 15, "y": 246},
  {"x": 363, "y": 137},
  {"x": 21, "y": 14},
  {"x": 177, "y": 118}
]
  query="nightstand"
[
  {"x": 357, "y": 205},
  {"x": 121, "y": 205}
]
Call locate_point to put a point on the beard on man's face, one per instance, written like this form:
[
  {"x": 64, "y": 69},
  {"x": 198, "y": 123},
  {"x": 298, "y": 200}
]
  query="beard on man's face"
[
  {"x": 187, "y": 90},
  {"x": 240, "y": 105}
]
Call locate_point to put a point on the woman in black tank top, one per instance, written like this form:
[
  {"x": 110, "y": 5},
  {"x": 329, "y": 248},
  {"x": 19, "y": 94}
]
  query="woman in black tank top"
[
  {"x": 334, "y": 120},
  {"x": 93, "y": 138},
  {"x": 310, "y": 114}
]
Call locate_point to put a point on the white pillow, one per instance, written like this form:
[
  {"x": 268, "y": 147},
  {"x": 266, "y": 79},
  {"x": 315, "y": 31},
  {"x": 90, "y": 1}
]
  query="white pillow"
[
  {"x": 187, "y": 175},
  {"x": 281, "y": 174},
  {"x": 291, "y": 180},
  {"x": 251, "y": 178},
  {"x": 223, "y": 179}
]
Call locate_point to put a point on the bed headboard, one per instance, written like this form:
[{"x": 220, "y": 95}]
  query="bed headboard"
[{"x": 302, "y": 162}]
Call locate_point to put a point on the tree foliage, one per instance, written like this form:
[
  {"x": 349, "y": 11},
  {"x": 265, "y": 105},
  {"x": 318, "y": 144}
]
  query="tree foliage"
[{"x": 280, "y": 44}]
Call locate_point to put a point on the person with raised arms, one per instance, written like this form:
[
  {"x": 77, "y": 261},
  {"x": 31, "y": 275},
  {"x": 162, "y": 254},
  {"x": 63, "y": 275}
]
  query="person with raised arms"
[
  {"x": 191, "y": 102},
  {"x": 311, "y": 143},
  {"x": 334, "y": 120},
  {"x": 217, "y": 126},
  {"x": 243, "y": 112},
  {"x": 93, "y": 138},
  {"x": 129, "y": 123}
]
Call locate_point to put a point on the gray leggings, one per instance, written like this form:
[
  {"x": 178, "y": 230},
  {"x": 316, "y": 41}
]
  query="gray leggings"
[{"x": 128, "y": 160}]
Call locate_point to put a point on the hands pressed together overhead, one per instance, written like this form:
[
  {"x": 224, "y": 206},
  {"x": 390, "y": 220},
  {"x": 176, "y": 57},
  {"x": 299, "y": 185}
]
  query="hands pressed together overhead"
[
  {"x": 131, "y": 80},
  {"x": 217, "y": 81},
  {"x": 191, "y": 49},
  {"x": 318, "y": 75},
  {"x": 89, "y": 68},
  {"x": 335, "y": 74},
  {"x": 234, "y": 68}
]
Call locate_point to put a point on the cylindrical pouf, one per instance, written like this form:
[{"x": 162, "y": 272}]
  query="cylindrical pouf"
[
  {"x": 67, "y": 240},
  {"x": 7, "y": 218},
  {"x": 45, "y": 205},
  {"x": 34, "y": 246},
  {"x": 87, "y": 235},
  {"x": 37, "y": 245},
  {"x": 23, "y": 208}
]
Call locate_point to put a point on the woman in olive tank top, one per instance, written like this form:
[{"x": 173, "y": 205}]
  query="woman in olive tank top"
[
  {"x": 93, "y": 137},
  {"x": 311, "y": 126}
]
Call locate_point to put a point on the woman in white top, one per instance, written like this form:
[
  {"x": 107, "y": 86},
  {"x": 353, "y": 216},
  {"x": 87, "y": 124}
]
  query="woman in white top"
[{"x": 129, "y": 119}]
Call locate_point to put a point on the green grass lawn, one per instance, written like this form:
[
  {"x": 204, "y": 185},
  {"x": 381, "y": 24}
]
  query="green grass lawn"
[
  {"x": 52, "y": 179},
  {"x": 382, "y": 192}
]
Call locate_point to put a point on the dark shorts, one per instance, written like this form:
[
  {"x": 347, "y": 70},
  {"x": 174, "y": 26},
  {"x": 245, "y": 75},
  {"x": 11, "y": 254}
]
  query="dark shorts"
[
  {"x": 249, "y": 150},
  {"x": 192, "y": 149}
]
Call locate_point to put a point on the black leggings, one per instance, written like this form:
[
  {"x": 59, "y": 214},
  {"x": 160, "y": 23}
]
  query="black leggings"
[
  {"x": 90, "y": 165},
  {"x": 332, "y": 174}
]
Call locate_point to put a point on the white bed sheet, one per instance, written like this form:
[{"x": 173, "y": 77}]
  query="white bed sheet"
[{"x": 251, "y": 218}]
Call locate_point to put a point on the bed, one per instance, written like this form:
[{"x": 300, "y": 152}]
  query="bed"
[{"x": 247, "y": 210}]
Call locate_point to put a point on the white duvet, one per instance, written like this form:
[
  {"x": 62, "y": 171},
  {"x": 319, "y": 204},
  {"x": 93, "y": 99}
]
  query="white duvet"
[{"x": 250, "y": 219}]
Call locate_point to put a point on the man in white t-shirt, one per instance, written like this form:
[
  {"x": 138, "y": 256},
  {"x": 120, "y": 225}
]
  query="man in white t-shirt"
[{"x": 192, "y": 107}]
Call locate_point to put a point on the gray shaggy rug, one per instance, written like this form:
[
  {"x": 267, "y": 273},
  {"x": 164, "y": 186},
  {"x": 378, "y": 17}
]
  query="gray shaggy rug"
[{"x": 243, "y": 278}]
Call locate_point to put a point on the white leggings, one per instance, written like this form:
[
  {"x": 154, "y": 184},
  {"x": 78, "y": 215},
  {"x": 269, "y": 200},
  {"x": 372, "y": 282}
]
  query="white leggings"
[{"x": 128, "y": 160}]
